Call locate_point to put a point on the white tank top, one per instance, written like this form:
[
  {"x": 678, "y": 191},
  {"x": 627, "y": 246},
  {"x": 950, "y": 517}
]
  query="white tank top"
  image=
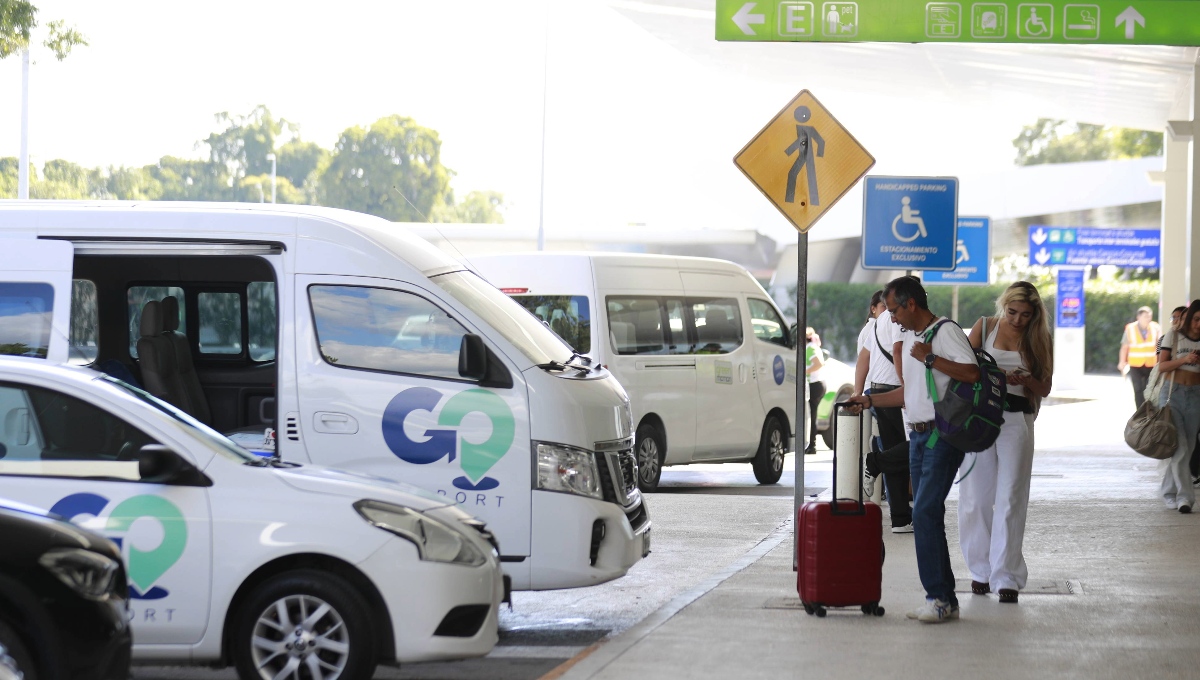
[{"x": 1005, "y": 359}]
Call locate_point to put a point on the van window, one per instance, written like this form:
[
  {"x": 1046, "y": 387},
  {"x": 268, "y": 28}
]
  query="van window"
[
  {"x": 768, "y": 327},
  {"x": 677, "y": 329},
  {"x": 635, "y": 325},
  {"x": 41, "y": 426},
  {"x": 26, "y": 311},
  {"x": 718, "y": 325},
  {"x": 566, "y": 315},
  {"x": 220, "y": 319},
  {"x": 85, "y": 324},
  {"x": 385, "y": 330},
  {"x": 260, "y": 306},
  {"x": 137, "y": 297}
]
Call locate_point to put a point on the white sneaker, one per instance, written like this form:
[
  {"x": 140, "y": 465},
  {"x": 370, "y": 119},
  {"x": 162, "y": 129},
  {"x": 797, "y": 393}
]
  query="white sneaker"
[
  {"x": 935, "y": 611},
  {"x": 1171, "y": 503},
  {"x": 906, "y": 529}
]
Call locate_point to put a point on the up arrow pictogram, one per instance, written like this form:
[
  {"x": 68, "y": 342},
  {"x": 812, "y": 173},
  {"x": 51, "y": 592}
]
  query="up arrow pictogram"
[
  {"x": 1129, "y": 17},
  {"x": 1039, "y": 236}
]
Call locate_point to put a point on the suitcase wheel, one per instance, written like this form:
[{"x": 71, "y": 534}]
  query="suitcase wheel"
[
  {"x": 808, "y": 609},
  {"x": 872, "y": 608},
  {"x": 820, "y": 612}
]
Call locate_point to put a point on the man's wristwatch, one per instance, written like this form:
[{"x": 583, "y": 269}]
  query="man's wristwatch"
[{"x": 929, "y": 359}]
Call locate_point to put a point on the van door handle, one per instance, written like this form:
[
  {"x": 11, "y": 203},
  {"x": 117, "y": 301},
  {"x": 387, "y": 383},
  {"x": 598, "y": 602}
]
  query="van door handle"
[{"x": 334, "y": 423}]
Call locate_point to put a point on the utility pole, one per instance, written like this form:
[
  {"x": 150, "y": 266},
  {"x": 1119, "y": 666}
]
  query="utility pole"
[
  {"x": 23, "y": 170},
  {"x": 541, "y": 234},
  {"x": 271, "y": 157}
]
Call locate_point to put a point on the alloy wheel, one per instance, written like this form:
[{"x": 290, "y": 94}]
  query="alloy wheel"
[
  {"x": 648, "y": 460},
  {"x": 300, "y": 637},
  {"x": 777, "y": 450}
]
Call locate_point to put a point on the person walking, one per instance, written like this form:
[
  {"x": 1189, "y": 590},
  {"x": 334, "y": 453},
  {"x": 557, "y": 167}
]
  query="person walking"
[
  {"x": 948, "y": 356},
  {"x": 814, "y": 358},
  {"x": 1179, "y": 364},
  {"x": 875, "y": 374},
  {"x": 993, "y": 499},
  {"x": 1137, "y": 351}
]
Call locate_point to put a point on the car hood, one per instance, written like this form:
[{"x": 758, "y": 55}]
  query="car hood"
[{"x": 317, "y": 479}]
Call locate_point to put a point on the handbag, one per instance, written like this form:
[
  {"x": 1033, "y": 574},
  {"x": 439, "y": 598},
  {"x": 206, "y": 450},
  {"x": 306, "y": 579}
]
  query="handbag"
[{"x": 1151, "y": 430}]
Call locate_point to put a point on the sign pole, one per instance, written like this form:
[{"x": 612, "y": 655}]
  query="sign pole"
[
  {"x": 801, "y": 386},
  {"x": 954, "y": 303}
]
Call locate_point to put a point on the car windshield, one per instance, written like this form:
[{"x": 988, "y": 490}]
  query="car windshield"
[
  {"x": 511, "y": 320},
  {"x": 219, "y": 442}
]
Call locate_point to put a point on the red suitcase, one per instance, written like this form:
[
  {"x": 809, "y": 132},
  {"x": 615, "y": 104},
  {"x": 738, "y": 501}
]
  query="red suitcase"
[{"x": 840, "y": 546}]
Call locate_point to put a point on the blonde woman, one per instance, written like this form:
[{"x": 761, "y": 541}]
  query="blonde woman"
[{"x": 994, "y": 494}]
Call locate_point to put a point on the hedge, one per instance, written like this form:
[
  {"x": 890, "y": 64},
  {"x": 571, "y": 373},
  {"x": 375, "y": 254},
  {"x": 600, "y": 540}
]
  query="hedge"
[{"x": 837, "y": 311}]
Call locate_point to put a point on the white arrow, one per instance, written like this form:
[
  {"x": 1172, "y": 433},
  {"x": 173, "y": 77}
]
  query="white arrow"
[
  {"x": 1128, "y": 17},
  {"x": 1039, "y": 236},
  {"x": 1042, "y": 256},
  {"x": 744, "y": 18}
]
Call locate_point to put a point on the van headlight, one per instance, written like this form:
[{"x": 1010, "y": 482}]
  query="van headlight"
[
  {"x": 567, "y": 469},
  {"x": 88, "y": 573},
  {"x": 435, "y": 540}
]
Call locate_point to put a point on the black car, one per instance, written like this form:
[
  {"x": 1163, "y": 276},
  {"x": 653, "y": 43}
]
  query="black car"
[{"x": 63, "y": 601}]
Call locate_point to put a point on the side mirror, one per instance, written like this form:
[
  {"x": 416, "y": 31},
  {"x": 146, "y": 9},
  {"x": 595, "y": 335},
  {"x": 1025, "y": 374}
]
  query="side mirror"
[
  {"x": 158, "y": 464},
  {"x": 472, "y": 357}
]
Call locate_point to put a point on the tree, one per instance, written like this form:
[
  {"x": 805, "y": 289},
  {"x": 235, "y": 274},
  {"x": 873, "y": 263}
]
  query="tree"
[
  {"x": 297, "y": 161},
  {"x": 392, "y": 169},
  {"x": 482, "y": 207},
  {"x": 242, "y": 147},
  {"x": 1056, "y": 141}
]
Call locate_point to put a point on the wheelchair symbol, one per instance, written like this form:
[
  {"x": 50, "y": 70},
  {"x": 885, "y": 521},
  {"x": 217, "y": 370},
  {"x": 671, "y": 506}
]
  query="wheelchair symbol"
[
  {"x": 963, "y": 255},
  {"x": 908, "y": 216},
  {"x": 1034, "y": 25}
]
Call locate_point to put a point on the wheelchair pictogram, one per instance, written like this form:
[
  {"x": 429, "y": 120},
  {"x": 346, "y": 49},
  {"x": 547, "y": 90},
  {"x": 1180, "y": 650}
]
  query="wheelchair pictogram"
[{"x": 908, "y": 216}]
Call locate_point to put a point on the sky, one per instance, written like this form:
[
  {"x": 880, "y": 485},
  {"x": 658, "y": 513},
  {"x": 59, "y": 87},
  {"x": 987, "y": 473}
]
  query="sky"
[{"x": 635, "y": 131}]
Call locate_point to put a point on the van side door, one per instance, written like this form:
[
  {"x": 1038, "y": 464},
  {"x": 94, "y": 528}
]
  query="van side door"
[
  {"x": 35, "y": 298},
  {"x": 729, "y": 412},
  {"x": 775, "y": 358}
]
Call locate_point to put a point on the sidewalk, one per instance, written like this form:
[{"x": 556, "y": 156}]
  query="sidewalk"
[{"x": 1126, "y": 567}]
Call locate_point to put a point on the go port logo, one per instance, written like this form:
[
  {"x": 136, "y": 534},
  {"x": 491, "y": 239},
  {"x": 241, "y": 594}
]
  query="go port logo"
[
  {"x": 449, "y": 439},
  {"x": 146, "y": 567}
]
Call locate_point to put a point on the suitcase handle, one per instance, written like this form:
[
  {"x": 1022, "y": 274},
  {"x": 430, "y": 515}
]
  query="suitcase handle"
[{"x": 862, "y": 508}]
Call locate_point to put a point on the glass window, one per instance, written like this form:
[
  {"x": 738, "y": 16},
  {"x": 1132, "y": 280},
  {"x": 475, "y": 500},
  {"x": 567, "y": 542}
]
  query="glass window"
[
  {"x": 567, "y": 315},
  {"x": 42, "y": 427},
  {"x": 85, "y": 323},
  {"x": 718, "y": 325},
  {"x": 137, "y": 297},
  {"x": 677, "y": 330},
  {"x": 26, "y": 312},
  {"x": 260, "y": 307},
  {"x": 768, "y": 327},
  {"x": 635, "y": 325},
  {"x": 220, "y": 319},
  {"x": 386, "y": 330}
]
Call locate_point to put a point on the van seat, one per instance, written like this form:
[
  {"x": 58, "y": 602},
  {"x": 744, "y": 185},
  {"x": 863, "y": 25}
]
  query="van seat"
[
  {"x": 155, "y": 354},
  {"x": 193, "y": 399},
  {"x": 621, "y": 334}
]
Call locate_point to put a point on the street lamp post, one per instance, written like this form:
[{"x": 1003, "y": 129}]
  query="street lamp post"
[
  {"x": 271, "y": 157},
  {"x": 23, "y": 169}
]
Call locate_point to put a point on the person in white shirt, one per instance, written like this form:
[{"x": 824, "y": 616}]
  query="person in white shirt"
[
  {"x": 933, "y": 468},
  {"x": 875, "y": 373}
]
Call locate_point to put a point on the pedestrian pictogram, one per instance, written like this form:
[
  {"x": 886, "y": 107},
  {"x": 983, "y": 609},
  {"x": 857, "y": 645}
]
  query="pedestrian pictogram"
[{"x": 804, "y": 161}]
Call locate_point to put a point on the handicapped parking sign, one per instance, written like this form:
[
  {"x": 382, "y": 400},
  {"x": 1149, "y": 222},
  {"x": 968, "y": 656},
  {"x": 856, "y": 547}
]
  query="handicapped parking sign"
[
  {"x": 910, "y": 223},
  {"x": 972, "y": 265}
]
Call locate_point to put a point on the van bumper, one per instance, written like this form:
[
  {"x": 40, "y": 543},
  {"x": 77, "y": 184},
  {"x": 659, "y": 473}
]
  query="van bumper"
[
  {"x": 438, "y": 611},
  {"x": 564, "y": 534}
]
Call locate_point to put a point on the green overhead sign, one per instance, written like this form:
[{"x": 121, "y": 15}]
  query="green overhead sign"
[{"x": 1141, "y": 22}]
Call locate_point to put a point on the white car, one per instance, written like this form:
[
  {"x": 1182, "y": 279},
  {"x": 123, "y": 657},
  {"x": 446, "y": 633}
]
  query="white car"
[{"x": 285, "y": 571}]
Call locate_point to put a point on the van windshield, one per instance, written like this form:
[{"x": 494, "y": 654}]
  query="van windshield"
[
  {"x": 567, "y": 315},
  {"x": 511, "y": 320}
]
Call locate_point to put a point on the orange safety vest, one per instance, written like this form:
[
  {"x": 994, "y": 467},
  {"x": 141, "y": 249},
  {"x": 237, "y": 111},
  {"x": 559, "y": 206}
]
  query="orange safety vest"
[{"x": 1142, "y": 348}]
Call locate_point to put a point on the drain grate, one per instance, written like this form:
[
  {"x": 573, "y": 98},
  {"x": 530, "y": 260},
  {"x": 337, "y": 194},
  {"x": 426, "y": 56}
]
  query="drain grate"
[{"x": 1068, "y": 587}]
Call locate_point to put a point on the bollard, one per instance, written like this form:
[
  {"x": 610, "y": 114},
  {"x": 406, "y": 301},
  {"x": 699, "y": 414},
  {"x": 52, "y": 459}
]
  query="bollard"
[{"x": 848, "y": 454}]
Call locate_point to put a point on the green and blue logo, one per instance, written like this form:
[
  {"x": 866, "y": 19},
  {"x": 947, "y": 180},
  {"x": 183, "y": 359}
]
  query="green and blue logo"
[
  {"x": 446, "y": 441},
  {"x": 145, "y": 566}
]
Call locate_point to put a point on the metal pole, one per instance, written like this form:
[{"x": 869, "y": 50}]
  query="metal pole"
[
  {"x": 23, "y": 170},
  {"x": 801, "y": 387},
  {"x": 954, "y": 303},
  {"x": 541, "y": 234},
  {"x": 272, "y": 178}
]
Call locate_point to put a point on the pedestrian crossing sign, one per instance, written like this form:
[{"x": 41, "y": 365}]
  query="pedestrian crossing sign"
[{"x": 804, "y": 161}]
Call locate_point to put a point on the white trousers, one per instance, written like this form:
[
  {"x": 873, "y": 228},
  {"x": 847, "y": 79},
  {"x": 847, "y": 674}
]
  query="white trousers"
[{"x": 993, "y": 501}]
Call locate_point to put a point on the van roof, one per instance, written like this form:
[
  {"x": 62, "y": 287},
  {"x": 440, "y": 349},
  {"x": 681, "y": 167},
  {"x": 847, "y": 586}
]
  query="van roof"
[
  {"x": 632, "y": 259},
  {"x": 239, "y": 222}
]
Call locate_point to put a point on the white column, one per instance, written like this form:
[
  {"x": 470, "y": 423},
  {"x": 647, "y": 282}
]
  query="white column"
[
  {"x": 1192, "y": 267},
  {"x": 1174, "y": 180},
  {"x": 23, "y": 167}
]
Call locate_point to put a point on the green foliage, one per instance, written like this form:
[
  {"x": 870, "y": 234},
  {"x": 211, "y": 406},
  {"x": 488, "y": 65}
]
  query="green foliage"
[
  {"x": 243, "y": 145},
  {"x": 63, "y": 39},
  {"x": 298, "y": 162},
  {"x": 17, "y": 21},
  {"x": 481, "y": 207},
  {"x": 1056, "y": 141}
]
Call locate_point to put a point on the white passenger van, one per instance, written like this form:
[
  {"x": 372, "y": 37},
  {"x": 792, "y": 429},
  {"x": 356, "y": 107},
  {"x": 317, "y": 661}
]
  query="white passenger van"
[
  {"x": 703, "y": 352},
  {"x": 361, "y": 345},
  {"x": 231, "y": 558}
]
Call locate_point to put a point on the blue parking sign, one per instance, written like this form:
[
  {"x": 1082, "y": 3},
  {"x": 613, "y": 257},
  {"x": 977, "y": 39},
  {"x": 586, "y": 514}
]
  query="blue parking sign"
[
  {"x": 972, "y": 262},
  {"x": 910, "y": 223}
]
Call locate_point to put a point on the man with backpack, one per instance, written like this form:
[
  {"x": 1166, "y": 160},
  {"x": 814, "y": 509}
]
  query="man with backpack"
[{"x": 933, "y": 461}]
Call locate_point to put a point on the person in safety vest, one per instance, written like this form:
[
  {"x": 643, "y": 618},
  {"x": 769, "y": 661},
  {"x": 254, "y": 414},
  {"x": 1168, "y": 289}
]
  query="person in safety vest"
[{"x": 1138, "y": 351}]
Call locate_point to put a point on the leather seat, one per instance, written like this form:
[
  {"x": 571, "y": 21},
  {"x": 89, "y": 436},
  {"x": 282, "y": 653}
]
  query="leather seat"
[
  {"x": 192, "y": 393},
  {"x": 156, "y": 356}
]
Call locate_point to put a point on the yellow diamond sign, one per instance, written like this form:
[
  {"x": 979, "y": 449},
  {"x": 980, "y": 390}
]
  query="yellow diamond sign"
[{"x": 804, "y": 161}]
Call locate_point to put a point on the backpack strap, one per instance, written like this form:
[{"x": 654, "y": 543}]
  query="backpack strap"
[
  {"x": 880, "y": 344},
  {"x": 929, "y": 383}
]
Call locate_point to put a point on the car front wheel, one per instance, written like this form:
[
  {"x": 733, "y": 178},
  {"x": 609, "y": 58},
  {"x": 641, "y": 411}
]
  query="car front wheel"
[
  {"x": 768, "y": 463},
  {"x": 651, "y": 452}
]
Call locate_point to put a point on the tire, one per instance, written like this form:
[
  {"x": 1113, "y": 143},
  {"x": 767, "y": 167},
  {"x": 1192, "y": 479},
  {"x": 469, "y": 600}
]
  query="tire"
[
  {"x": 768, "y": 462},
  {"x": 651, "y": 452},
  {"x": 341, "y": 652},
  {"x": 827, "y": 437},
  {"x": 15, "y": 659}
]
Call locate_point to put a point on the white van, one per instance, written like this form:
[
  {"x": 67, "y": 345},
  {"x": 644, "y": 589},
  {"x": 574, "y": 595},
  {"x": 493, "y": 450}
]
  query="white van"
[
  {"x": 235, "y": 558},
  {"x": 704, "y": 353},
  {"x": 361, "y": 345}
]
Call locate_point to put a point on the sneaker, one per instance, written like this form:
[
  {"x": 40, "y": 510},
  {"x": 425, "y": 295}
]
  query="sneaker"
[
  {"x": 935, "y": 611},
  {"x": 868, "y": 479},
  {"x": 810, "y": 451},
  {"x": 906, "y": 529},
  {"x": 1185, "y": 508},
  {"x": 1171, "y": 503},
  {"x": 1196, "y": 481}
]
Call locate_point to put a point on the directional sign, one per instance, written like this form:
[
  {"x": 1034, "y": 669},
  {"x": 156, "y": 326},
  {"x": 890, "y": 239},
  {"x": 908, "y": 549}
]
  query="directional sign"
[
  {"x": 972, "y": 263},
  {"x": 1080, "y": 246},
  {"x": 803, "y": 161},
  {"x": 910, "y": 223},
  {"x": 1116, "y": 22},
  {"x": 1070, "y": 299}
]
